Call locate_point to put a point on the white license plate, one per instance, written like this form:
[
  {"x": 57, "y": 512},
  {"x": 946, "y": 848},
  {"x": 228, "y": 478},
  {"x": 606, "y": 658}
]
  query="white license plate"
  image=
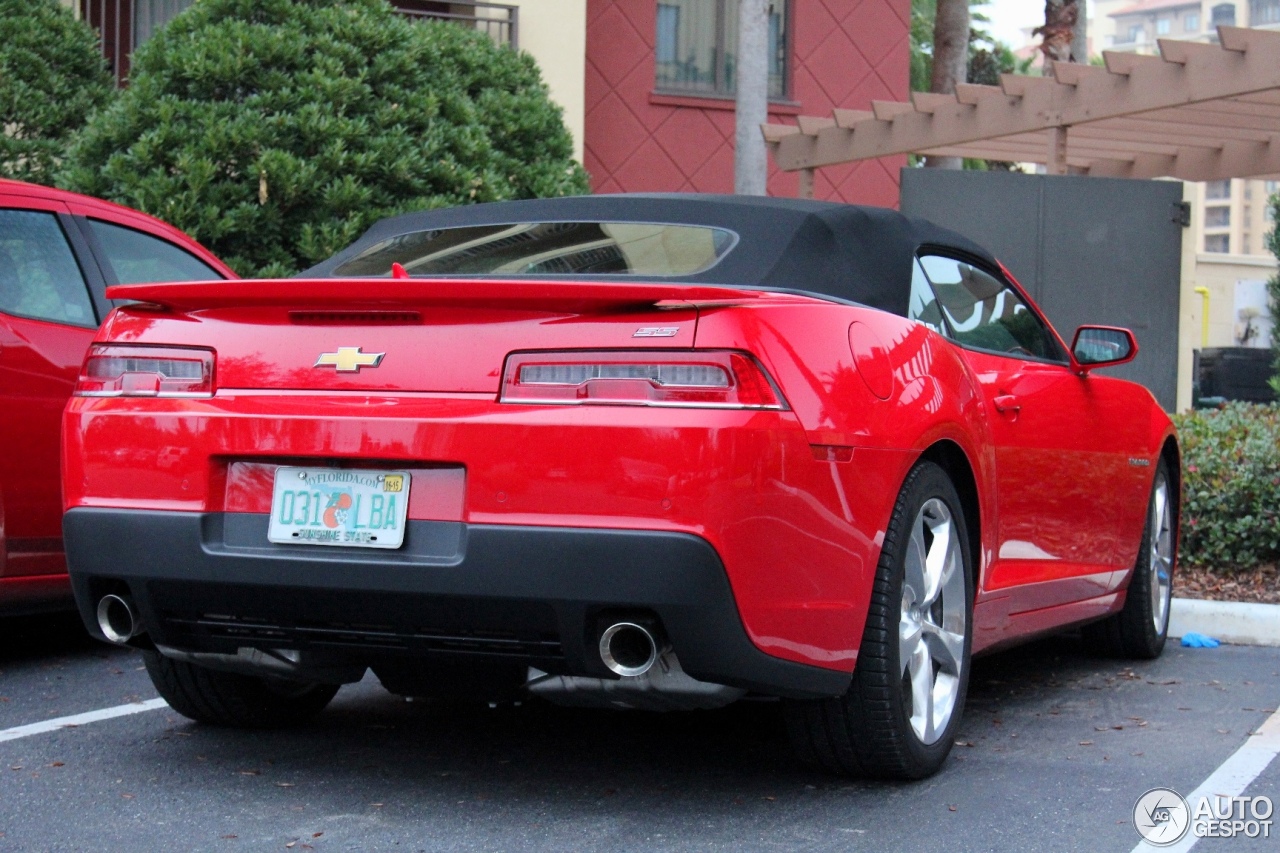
[{"x": 339, "y": 506}]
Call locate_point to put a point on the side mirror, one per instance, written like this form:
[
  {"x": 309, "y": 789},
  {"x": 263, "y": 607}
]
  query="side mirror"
[{"x": 1103, "y": 346}]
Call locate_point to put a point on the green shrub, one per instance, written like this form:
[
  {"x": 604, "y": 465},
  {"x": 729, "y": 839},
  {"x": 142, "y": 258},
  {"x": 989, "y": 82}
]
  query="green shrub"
[
  {"x": 276, "y": 131},
  {"x": 1231, "y": 493},
  {"x": 52, "y": 76}
]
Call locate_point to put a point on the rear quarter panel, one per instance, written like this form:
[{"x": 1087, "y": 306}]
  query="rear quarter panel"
[{"x": 806, "y": 346}]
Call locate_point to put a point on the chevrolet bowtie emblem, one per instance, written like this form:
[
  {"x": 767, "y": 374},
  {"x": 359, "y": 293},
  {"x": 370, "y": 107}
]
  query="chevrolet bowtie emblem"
[{"x": 349, "y": 359}]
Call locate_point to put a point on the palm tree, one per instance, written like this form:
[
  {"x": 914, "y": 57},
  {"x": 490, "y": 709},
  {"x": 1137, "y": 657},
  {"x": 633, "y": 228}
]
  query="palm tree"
[
  {"x": 950, "y": 59},
  {"x": 1063, "y": 33}
]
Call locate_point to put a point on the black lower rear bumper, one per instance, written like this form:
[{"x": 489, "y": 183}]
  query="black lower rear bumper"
[{"x": 211, "y": 582}]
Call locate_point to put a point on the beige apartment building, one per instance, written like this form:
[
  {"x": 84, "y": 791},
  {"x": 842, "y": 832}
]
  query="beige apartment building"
[{"x": 1236, "y": 216}]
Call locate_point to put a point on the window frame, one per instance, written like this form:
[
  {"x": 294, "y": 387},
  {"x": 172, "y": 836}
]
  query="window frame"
[
  {"x": 1051, "y": 333},
  {"x": 1264, "y": 12},
  {"x": 1217, "y": 216},
  {"x": 1216, "y": 237},
  {"x": 720, "y": 92},
  {"x": 735, "y": 240},
  {"x": 90, "y": 276},
  {"x": 103, "y": 259}
]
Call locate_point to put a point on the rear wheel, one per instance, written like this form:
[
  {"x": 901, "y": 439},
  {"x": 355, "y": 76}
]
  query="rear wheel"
[
  {"x": 1140, "y": 629},
  {"x": 231, "y": 699},
  {"x": 899, "y": 716}
]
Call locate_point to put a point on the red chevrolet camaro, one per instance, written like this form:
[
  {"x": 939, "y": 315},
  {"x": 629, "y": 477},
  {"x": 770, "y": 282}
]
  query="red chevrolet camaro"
[
  {"x": 633, "y": 451},
  {"x": 58, "y": 253}
]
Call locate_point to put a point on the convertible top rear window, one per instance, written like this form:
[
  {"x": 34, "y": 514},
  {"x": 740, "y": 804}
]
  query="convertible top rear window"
[
  {"x": 555, "y": 248},
  {"x": 862, "y": 255}
]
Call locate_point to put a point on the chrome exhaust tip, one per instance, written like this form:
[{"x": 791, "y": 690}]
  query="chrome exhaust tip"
[
  {"x": 628, "y": 649},
  {"x": 116, "y": 619}
]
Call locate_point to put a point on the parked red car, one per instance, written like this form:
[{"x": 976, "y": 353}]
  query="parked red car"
[
  {"x": 58, "y": 253},
  {"x": 635, "y": 451}
]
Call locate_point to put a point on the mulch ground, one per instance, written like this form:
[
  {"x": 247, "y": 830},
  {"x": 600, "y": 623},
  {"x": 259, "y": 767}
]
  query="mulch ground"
[{"x": 1260, "y": 585}]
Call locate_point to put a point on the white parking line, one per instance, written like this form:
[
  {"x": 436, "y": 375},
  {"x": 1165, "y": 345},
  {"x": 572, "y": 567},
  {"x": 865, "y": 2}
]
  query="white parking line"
[
  {"x": 1232, "y": 776},
  {"x": 81, "y": 719}
]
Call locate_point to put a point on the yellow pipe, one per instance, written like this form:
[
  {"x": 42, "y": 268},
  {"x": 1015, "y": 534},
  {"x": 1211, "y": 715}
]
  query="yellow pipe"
[{"x": 1204, "y": 316}]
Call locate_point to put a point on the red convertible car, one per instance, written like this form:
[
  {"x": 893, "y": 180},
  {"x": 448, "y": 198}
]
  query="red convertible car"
[
  {"x": 633, "y": 451},
  {"x": 58, "y": 254}
]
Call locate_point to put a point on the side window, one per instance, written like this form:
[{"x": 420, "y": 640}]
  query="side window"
[
  {"x": 923, "y": 306},
  {"x": 982, "y": 312},
  {"x": 138, "y": 258},
  {"x": 39, "y": 276}
]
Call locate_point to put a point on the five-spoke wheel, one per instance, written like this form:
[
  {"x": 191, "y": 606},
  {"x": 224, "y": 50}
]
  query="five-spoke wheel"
[
  {"x": 899, "y": 716},
  {"x": 933, "y": 621},
  {"x": 1140, "y": 628}
]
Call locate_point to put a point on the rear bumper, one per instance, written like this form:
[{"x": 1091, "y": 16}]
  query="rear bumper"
[{"x": 211, "y": 582}]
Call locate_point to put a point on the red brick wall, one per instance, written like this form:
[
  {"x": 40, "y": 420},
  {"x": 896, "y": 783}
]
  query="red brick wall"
[{"x": 845, "y": 53}]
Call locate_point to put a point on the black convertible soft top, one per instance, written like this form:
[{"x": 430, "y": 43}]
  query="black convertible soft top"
[{"x": 839, "y": 251}]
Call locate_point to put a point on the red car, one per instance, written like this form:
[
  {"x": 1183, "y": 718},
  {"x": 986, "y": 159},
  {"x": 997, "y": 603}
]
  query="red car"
[
  {"x": 58, "y": 253},
  {"x": 634, "y": 451}
]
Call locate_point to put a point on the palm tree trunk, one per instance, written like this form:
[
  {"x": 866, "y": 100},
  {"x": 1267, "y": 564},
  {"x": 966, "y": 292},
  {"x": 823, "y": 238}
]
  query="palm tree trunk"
[
  {"x": 750, "y": 163},
  {"x": 1061, "y": 19},
  {"x": 950, "y": 59}
]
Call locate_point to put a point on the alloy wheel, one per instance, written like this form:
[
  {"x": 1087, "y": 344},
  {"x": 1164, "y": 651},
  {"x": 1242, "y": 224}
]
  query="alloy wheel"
[
  {"x": 932, "y": 622},
  {"x": 1161, "y": 555}
]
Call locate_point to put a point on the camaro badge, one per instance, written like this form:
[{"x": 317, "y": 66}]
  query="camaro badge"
[
  {"x": 349, "y": 359},
  {"x": 656, "y": 332}
]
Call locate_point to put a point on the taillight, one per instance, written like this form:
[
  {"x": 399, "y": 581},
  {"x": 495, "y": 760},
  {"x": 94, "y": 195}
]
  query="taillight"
[
  {"x": 145, "y": 371},
  {"x": 700, "y": 379}
]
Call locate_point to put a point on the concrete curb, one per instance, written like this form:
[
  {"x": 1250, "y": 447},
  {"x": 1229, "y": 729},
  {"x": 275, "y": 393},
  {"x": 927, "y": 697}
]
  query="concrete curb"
[{"x": 1232, "y": 622}]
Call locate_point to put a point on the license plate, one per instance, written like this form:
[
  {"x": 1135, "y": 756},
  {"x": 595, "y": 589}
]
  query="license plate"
[{"x": 339, "y": 506}]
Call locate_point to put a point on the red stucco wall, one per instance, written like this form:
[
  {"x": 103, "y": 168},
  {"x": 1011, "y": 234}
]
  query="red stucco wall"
[{"x": 845, "y": 53}]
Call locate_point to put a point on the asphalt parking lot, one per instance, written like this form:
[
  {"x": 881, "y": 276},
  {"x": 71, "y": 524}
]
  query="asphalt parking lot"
[{"x": 1054, "y": 751}]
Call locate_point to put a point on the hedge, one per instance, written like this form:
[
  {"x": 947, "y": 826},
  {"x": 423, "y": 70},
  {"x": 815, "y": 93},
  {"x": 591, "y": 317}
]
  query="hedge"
[{"x": 1231, "y": 489}]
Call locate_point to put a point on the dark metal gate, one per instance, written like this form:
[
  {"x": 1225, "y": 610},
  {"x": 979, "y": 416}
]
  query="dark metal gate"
[{"x": 1089, "y": 250}]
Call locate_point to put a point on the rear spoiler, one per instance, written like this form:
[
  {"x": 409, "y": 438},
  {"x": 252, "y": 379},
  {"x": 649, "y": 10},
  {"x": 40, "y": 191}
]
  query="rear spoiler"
[{"x": 576, "y": 296}]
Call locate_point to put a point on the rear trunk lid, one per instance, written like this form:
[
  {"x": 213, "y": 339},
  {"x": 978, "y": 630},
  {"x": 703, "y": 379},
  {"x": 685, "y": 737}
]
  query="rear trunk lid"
[{"x": 398, "y": 335}]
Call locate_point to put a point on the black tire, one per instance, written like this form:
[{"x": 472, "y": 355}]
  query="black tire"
[
  {"x": 869, "y": 731},
  {"x": 1141, "y": 627},
  {"x": 230, "y": 699}
]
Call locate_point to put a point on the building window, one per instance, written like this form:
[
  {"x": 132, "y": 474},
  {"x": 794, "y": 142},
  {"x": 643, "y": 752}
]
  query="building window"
[
  {"x": 697, "y": 45},
  {"x": 1264, "y": 12},
  {"x": 1217, "y": 217},
  {"x": 1163, "y": 25},
  {"x": 1217, "y": 190},
  {"x": 124, "y": 25},
  {"x": 1191, "y": 23},
  {"x": 1224, "y": 15},
  {"x": 499, "y": 21},
  {"x": 1136, "y": 33},
  {"x": 151, "y": 15},
  {"x": 1272, "y": 187},
  {"x": 1217, "y": 243}
]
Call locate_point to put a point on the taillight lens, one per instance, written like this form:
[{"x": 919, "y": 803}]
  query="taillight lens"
[
  {"x": 145, "y": 371},
  {"x": 700, "y": 379}
]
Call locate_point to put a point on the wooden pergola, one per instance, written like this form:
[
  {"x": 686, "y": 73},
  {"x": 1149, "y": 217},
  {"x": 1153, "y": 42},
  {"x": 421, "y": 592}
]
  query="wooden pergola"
[{"x": 1197, "y": 112}]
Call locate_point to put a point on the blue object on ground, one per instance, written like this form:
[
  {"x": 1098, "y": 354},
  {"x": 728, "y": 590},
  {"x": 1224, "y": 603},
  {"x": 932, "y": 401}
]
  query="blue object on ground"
[{"x": 1192, "y": 640}]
